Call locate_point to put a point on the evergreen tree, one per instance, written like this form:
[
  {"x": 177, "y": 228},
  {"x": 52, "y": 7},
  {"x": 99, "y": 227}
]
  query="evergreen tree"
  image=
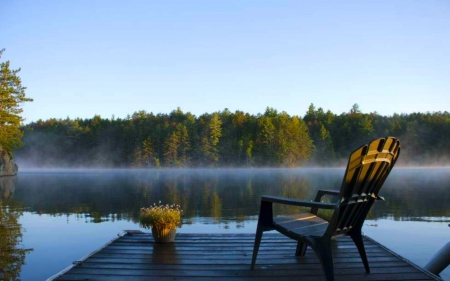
[
  {"x": 212, "y": 132},
  {"x": 12, "y": 94}
]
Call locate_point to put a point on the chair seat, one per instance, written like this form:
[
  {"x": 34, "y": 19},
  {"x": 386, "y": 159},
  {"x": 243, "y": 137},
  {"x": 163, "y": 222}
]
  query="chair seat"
[{"x": 304, "y": 224}]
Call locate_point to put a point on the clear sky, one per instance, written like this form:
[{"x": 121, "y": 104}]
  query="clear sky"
[{"x": 81, "y": 58}]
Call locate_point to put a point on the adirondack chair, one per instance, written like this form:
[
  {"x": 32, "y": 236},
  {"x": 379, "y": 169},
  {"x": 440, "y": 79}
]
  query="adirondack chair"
[{"x": 367, "y": 169}]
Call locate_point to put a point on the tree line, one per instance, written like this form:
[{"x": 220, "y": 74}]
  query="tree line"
[{"x": 230, "y": 139}]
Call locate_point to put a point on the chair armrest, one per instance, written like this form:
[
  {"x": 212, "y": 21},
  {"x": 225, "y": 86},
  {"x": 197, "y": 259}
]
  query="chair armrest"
[
  {"x": 295, "y": 202},
  {"x": 322, "y": 192}
]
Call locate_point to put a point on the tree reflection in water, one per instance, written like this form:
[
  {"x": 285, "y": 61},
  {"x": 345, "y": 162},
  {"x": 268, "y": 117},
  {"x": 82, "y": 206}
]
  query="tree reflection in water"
[
  {"x": 218, "y": 196},
  {"x": 12, "y": 257}
]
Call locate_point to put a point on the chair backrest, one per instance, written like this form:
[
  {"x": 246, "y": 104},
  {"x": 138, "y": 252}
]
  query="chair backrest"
[{"x": 367, "y": 170}]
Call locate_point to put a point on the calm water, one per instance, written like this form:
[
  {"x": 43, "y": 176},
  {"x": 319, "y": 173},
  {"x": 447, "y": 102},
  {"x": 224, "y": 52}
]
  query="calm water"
[{"x": 54, "y": 217}]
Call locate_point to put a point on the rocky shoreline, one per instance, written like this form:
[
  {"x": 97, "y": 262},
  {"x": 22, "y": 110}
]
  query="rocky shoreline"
[{"x": 7, "y": 165}]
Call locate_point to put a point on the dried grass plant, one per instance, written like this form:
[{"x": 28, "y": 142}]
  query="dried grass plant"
[{"x": 161, "y": 216}]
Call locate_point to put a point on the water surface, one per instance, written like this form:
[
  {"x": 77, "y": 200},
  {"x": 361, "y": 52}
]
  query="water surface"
[{"x": 54, "y": 217}]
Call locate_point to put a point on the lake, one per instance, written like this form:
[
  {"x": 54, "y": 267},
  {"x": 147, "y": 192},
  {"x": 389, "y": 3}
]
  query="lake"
[{"x": 54, "y": 217}]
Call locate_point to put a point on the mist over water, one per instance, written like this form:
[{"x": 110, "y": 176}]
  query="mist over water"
[
  {"x": 100, "y": 158},
  {"x": 99, "y": 203},
  {"x": 122, "y": 192}
]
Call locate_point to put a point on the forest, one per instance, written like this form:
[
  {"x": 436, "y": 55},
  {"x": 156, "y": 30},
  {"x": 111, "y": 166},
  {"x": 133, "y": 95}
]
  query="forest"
[{"x": 230, "y": 139}]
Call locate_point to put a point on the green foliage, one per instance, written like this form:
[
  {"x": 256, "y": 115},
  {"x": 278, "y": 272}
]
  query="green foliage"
[
  {"x": 161, "y": 216},
  {"x": 282, "y": 140},
  {"x": 275, "y": 139},
  {"x": 12, "y": 94},
  {"x": 210, "y": 137}
]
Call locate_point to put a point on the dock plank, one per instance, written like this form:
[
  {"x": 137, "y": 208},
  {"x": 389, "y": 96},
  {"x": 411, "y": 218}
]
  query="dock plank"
[{"x": 228, "y": 256}]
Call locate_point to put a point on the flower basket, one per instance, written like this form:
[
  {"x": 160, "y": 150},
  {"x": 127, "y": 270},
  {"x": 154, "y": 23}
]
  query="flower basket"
[
  {"x": 163, "y": 220},
  {"x": 164, "y": 235}
]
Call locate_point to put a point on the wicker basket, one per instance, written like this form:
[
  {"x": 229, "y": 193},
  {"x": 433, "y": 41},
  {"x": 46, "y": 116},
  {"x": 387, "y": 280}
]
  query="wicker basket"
[{"x": 164, "y": 235}]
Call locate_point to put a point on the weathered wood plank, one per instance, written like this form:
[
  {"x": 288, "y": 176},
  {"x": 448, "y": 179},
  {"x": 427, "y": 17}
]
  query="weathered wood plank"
[
  {"x": 192, "y": 238},
  {"x": 180, "y": 249},
  {"x": 222, "y": 248},
  {"x": 200, "y": 255},
  {"x": 236, "y": 266},
  {"x": 381, "y": 277},
  {"x": 237, "y": 260},
  {"x": 150, "y": 251},
  {"x": 218, "y": 273}
]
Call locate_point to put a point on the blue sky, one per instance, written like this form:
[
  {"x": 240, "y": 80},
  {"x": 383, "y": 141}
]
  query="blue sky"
[{"x": 82, "y": 58}]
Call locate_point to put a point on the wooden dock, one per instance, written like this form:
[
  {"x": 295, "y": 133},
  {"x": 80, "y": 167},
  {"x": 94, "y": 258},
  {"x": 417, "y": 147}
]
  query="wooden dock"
[{"x": 135, "y": 256}]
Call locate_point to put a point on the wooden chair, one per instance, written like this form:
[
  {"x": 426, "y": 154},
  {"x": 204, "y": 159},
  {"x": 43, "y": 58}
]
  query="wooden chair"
[{"x": 367, "y": 169}]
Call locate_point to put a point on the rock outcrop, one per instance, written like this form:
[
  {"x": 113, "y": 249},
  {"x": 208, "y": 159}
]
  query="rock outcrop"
[{"x": 7, "y": 165}]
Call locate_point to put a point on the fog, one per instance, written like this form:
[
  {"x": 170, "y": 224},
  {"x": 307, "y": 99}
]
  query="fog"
[{"x": 100, "y": 158}]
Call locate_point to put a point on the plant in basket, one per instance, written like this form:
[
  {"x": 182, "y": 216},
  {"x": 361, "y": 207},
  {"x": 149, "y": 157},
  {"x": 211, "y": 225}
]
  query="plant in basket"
[{"x": 163, "y": 220}]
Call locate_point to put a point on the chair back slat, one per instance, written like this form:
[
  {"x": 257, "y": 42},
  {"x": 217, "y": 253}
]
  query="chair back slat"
[{"x": 367, "y": 170}]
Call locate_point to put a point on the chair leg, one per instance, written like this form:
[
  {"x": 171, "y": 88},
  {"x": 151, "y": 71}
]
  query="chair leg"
[
  {"x": 357, "y": 238},
  {"x": 323, "y": 251},
  {"x": 301, "y": 249},
  {"x": 259, "y": 233}
]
